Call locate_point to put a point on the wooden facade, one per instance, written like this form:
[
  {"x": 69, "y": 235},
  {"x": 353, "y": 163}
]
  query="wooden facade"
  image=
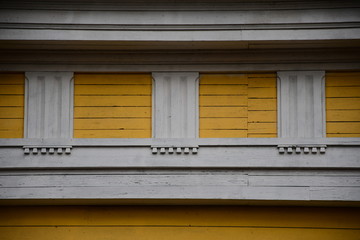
[{"x": 180, "y": 119}]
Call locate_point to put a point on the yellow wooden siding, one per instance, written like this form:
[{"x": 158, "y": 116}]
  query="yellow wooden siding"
[
  {"x": 178, "y": 222},
  {"x": 238, "y": 105},
  {"x": 343, "y": 104},
  {"x": 112, "y": 105},
  {"x": 12, "y": 105}
]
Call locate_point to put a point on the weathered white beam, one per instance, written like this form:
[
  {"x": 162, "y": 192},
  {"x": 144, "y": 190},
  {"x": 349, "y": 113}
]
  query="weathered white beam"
[
  {"x": 151, "y": 5},
  {"x": 148, "y": 142},
  {"x": 315, "y": 24},
  {"x": 80, "y": 19},
  {"x": 49, "y": 104},
  {"x": 139, "y": 180},
  {"x": 188, "y": 192},
  {"x": 341, "y": 157},
  {"x": 216, "y": 67},
  {"x": 246, "y": 184},
  {"x": 301, "y": 181},
  {"x": 204, "y": 35}
]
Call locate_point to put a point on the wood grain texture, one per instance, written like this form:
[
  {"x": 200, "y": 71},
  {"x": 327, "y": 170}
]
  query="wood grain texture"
[
  {"x": 179, "y": 222},
  {"x": 12, "y": 105},
  {"x": 230, "y": 102},
  {"x": 292, "y": 217},
  {"x": 343, "y": 104},
  {"x": 223, "y": 90},
  {"x": 93, "y": 133},
  {"x": 113, "y": 101},
  {"x": 112, "y": 79},
  {"x": 12, "y": 100},
  {"x": 262, "y": 104},
  {"x": 108, "y": 90},
  {"x": 112, "y": 105},
  {"x": 342, "y": 91}
]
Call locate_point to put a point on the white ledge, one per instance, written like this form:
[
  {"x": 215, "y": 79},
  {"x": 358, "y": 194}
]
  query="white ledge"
[{"x": 144, "y": 142}]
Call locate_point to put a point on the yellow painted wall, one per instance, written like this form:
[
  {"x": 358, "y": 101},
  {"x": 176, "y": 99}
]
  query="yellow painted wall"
[
  {"x": 11, "y": 105},
  {"x": 343, "y": 104},
  {"x": 178, "y": 222},
  {"x": 111, "y": 105},
  {"x": 238, "y": 105}
]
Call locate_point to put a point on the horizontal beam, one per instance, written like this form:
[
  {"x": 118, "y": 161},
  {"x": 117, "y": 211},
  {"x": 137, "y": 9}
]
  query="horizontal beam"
[
  {"x": 315, "y": 24},
  {"x": 147, "y": 142},
  {"x": 146, "y": 5},
  {"x": 206, "y": 157},
  {"x": 243, "y": 185}
]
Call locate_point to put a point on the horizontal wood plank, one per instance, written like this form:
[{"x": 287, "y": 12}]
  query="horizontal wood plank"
[
  {"x": 343, "y": 135},
  {"x": 112, "y": 133},
  {"x": 262, "y": 128},
  {"x": 262, "y": 82},
  {"x": 113, "y": 124},
  {"x": 12, "y": 78},
  {"x": 343, "y": 115},
  {"x": 12, "y": 112},
  {"x": 223, "y": 123},
  {"x": 262, "y": 135},
  {"x": 111, "y": 112},
  {"x": 343, "y": 127},
  {"x": 112, "y": 101},
  {"x": 223, "y": 112},
  {"x": 343, "y": 81},
  {"x": 262, "y": 104},
  {"x": 181, "y": 216},
  {"x": 223, "y": 133},
  {"x": 9, "y": 133},
  {"x": 112, "y": 78},
  {"x": 343, "y": 92},
  {"x": 11, "y": 89},
  {"x": 342, "y": 73},
  {"x": 223, "y": 90},
  {"x": 11, "y": 124},
  {"x": 113, "y": 90},
  {"x": 223, "y": 79},
  {"x": 11, "y": 100},
  {"x": 262, "y": 75},
  {"x": 342, "y": 103},
  {"x": 262, "y": 92},
  {"x": 262, "y": 116},
  {"x": 213, "y": 101}
]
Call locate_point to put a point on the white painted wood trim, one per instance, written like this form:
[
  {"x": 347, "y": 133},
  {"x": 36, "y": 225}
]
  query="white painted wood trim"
[
  {"x": 175, "y": 104},
  {"x": 301, "y": 104},
  {"x": 309, "y": 24},
  {"x": 49, "y": 104},
  {"x": 213, "y": 184},
  {"x": 147, "y": 142}
]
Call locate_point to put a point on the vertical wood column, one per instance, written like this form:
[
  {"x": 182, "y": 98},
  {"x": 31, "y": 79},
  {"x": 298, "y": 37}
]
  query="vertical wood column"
[
  {"x": 301, "y": 104},
  {"x": 175, "y": 105},
  {"x": 49, "y": 105}
]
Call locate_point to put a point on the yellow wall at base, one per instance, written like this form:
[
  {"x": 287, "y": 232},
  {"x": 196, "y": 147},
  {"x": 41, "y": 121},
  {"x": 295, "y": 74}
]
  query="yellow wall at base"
[
  {"x": 112, "y": 105},
  {"x": 343, "y": 104},
  {"x": 238, "y": 105},
  {"x": 178, "y": 222},
  {"x": 12, "y": 105}
]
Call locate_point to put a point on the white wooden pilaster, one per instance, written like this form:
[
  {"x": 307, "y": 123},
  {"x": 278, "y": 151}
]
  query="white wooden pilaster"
[
  {"x": 175, "y": 105},
  {"x": 49, "y": 104},
  {"x": 301, "y": 104}
]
